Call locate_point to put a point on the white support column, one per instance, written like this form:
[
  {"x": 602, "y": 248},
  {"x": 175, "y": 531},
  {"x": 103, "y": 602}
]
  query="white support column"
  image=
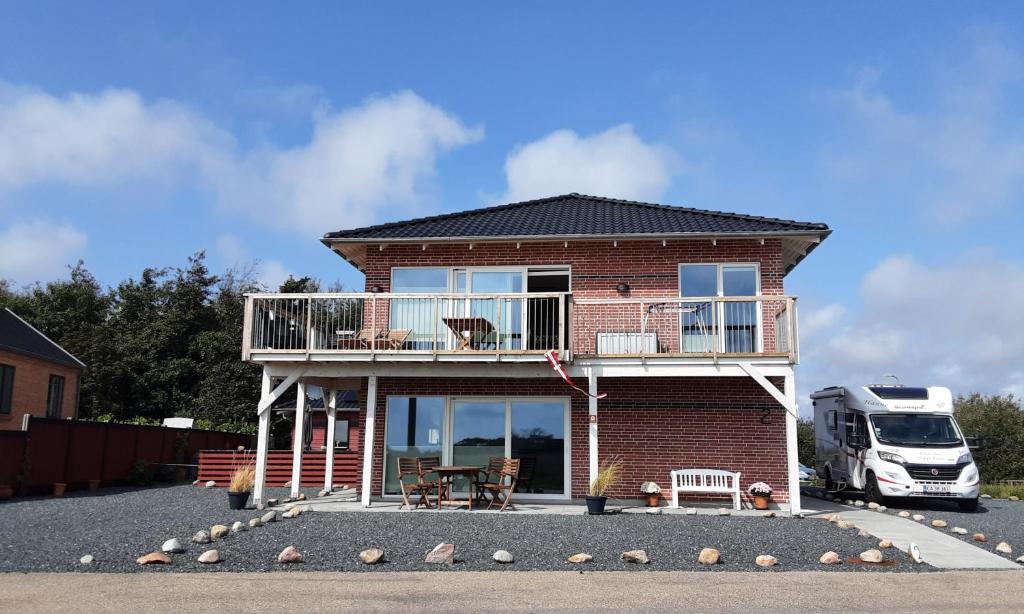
[
  {"x": 792, "y": 450},
  {"x": 262, "y": 443},
  {"x": 331, "y": 405},
  {"x": 299, "y": 438},
  {"x": 592, "y": 419},
  {"x": 371, "y": 417}
]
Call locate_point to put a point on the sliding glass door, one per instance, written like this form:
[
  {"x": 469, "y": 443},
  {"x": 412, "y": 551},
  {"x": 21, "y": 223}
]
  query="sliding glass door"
[
  {"x": 729, "y": 326},
  {"x": 469, "y": 431}
]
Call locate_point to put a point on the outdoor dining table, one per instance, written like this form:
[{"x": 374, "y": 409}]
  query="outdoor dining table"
[{"x": 448, "y": 473}]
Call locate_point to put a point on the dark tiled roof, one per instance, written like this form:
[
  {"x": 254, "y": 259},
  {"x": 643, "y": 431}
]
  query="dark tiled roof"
[
  {"x": 577, "y": 215},
  {"x": 17, "y": 336}
]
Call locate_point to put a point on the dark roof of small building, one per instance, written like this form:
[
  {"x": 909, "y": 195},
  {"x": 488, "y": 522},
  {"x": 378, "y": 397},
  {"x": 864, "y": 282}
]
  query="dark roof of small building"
[
  {"x": 576, "y": 215},
  {"x": 17, "y": 335}
]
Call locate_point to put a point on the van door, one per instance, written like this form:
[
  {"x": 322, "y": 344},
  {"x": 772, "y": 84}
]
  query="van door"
[
  {"x": 857, "y": 429},
  {"x": 829, "y": 435}
]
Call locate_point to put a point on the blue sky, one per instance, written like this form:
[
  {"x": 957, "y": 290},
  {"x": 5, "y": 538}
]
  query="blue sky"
[{"x": 135, "y": 134}]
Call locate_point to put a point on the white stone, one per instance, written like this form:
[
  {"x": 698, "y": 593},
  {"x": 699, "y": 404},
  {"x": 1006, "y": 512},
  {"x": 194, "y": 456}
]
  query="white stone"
[
  {"x": 871, "y": 556},
  {"x": 86, "y": 560},
  {"x": 201, "y": 537},
  {"x": 209, "y": 557},
  {"x": 918, "y": 517},
  {"x": 848, "y": 502},
  {"x": 1020, "y": 559},
  {"x": 766, "y": 560},
  {"x": 255, "y": 522},
  {"x": 904, "y": 514},
  {"x": 873, "y": 506},
  {"x": 211, "y": 484},
  {"x": 882, "y": 508},
  {"x": 172, "y": 545},
  {"x": 691, "y": 511},
  {"x": 960, "y": 530},
  {"x": 986, "y": 496},
  {"x": 653, "y": 510},
  {"x": 914, "y": 552},
  {"x": 237, "y": 527},
  {"x": 858, "y": 503},
  {"x": 268, "y": 517},
  {"x": 636, "y": 556},
  {"x": 1004, "y": 548},
  {"x": 723, "y": 512},
  {"x": 502, "y": 556}
]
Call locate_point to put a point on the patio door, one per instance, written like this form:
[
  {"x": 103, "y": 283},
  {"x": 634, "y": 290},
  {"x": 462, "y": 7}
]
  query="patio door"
[
  {"x": 501, "y": 319},
  {"x": 531, "y": 429}
]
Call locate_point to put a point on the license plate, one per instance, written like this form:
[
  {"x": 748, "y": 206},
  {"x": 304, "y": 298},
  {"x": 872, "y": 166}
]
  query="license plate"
[{"x": 934, "y": 489}]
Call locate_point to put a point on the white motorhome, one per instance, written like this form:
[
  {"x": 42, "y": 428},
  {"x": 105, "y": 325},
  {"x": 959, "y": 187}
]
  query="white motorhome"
[{"x": 893, "y": 441}]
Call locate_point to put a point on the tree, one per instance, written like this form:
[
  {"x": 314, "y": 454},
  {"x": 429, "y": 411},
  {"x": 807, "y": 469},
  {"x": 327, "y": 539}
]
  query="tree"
[
  {"x": 999, "y": 422},
  {"x": 805, "y": 441}
]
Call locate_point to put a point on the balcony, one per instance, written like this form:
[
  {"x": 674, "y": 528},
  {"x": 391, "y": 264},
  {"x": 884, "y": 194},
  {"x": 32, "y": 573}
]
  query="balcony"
[{"x": 514, "y": 327}]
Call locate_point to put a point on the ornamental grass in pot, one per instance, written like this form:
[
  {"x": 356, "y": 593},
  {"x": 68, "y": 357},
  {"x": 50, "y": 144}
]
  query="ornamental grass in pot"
[
  {"x": 608, "y": 475},
  {"x": 652, "y": 493},
  {"x": 761, "y": 493},
  {"x": 242, "y": 482}
]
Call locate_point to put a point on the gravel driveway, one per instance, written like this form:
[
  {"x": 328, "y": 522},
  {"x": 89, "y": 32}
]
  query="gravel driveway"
[
  {"x": 116, "y": 526},
  {"x": 999, "y": 519}
]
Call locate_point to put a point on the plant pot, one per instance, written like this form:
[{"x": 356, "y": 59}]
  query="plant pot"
[
  {"x": 237, "y": 500},
  {"x": 59, "y": 488},
  {"x": 595, "y": 505},
  {"x": 6, "y": 492},
  {"x": 94, "y": 485},
  {"x": 761, "y": 503},
  {"x": 653, "y": 499}
]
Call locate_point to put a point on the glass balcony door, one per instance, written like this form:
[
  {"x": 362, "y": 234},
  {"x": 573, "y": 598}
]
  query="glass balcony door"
[
  {"x": 728, "y": 326},
  {"x": 414, "y": 428},
  {"x": 497, "y": 323}
]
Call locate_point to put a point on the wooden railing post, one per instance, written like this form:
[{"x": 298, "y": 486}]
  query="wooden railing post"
[
  {"x": 561, "y": 325},
  {"x": 247, "y": 329}
]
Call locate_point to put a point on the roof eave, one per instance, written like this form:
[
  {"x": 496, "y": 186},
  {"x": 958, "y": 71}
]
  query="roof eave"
[{"x": 327, "y": 240}]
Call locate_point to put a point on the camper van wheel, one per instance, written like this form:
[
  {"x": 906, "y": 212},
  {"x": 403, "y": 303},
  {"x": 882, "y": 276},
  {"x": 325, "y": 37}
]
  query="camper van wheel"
[
  {"x": 968, "y": 505},
  {"x": 872, "y": 492}
]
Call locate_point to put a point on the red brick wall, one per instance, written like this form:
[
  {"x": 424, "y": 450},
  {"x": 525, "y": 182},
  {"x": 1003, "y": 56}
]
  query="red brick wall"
[
  {"x": 650, "y": 269},
  {"x": 665, "y": 424},
  {"x": 31, "y": 384}
]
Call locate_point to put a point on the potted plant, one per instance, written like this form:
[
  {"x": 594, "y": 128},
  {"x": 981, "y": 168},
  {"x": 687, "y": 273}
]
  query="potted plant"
[
  {"x": 607, "y": 475},
  {"x": 94, "y": 485},
  {"x": 242, "y": 481},
  {"x": 761, "y": 493},
  {"x": 652, "y": 492},
  {"x": 59, "y": 488}
]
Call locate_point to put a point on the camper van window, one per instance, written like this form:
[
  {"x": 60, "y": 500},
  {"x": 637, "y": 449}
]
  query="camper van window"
[
  {"x": 922, "y": 430},
  {"x": 856, "y": 425},
  {"x": 833, "y": 417}
]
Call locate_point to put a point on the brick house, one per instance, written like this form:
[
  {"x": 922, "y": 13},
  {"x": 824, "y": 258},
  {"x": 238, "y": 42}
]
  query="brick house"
[
  {"x": 37, "y": 376},
  {"x": 679, "y": 315}
]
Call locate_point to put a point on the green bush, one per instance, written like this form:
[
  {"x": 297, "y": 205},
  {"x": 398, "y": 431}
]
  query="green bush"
[
  {"x": 999, "y": 422},
  {"x": 1003, "y": 491}
]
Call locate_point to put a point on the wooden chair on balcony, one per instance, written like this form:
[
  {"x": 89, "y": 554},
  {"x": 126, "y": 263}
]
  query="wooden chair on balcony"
[
  {"x": 394, "y": 339},
  {"x": 417, "y": 485},
  {"x": 501, "y": 490}
]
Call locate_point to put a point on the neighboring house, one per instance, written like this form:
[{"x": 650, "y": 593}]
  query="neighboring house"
[
  {"x": 678, "y": 315},
  {"x": 37, "y": 376}
]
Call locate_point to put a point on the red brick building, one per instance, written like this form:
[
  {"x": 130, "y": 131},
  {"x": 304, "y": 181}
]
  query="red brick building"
[
  {"x": 37, "y": 376},
  {"x": 678, "y": 315}
]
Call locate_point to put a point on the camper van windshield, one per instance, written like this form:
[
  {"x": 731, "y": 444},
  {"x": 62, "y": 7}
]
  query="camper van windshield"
[{"x": 915, "y": 430}]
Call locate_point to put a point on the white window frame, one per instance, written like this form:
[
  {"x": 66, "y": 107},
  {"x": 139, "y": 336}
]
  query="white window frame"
[
  {"x": 719, "y": 292},
  {"x": 448, "y": 429}
]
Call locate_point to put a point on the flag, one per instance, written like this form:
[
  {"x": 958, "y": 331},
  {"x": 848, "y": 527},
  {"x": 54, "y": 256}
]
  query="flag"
[{"x": 552, "y": 357}]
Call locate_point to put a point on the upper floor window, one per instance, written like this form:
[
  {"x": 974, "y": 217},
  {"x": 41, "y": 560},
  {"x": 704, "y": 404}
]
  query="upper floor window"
[
  {"x": 6, "y": 388},
  {"x": 419, "y": 281},
  {"x": 723, "y": 326},
  {"x": 55, "y": 396}
]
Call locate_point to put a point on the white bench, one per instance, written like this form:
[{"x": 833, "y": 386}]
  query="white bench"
[{"x": 709, "y": 481}]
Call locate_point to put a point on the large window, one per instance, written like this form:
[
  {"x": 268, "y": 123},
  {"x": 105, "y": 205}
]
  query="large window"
[
  {"x": 55, "y": 396},
  {"x": 6, "y": 388},
  {"x": 421, "y": 316},
  {"x": 469, "y": 431},
  {"x": 731, "y": 326}
]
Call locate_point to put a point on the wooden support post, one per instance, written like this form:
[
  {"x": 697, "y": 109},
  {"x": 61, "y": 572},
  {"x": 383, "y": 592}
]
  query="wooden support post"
[
  {"x": 262, "y": 443},
  {"x": 298, "y": 440},
  {"x": 331, "y": 405},
  {"x": 371, "y": 417},
  {"x": 592, "y": 418}
]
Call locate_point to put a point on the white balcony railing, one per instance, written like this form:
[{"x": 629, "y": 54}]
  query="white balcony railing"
[
  {"x": 371, "y": 324},
  {"x": 690, "y": 326},
  {"x": 367, "y": 326}
]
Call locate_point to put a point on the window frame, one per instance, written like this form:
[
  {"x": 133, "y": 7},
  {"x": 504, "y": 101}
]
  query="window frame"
[
  {"x": 55, "y": 378},
  {"x": 720, "y": 292},
  {"x": 7, "y": 391}
]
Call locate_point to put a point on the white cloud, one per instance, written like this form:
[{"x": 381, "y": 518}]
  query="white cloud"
[
  {"x": 376, "y": 155},
  {"x": 814, "y": 321},
  {"x": 270, "y": 273},
  {"x": 614, "y": 163},
  {"x": 100, "y": 139},
  {"x": 958, "y": 325},
  {"x": 38, "y": 250},
  {"x": 380, "y": 154},
  {"x": 958, "y": 157}
]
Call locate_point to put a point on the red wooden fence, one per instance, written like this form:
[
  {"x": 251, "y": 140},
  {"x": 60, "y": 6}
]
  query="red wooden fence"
[
  {"x": 76, "y": 451},
  {"x": 217, "y": 465}
]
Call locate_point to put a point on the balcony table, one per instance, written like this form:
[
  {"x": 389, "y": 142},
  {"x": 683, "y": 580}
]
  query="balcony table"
[{"x": 479, "y": 331}]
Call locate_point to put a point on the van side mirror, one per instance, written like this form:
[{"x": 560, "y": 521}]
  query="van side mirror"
[
  {"x": 974, "y": 443},
  {"x": 857, "y": 442}
]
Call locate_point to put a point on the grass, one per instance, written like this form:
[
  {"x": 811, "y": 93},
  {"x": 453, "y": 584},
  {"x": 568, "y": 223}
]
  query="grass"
[
  {"x": 607, "y": 475},
  {"x": 1003, "y": 491},
  {"x": 243, "y": 479}
]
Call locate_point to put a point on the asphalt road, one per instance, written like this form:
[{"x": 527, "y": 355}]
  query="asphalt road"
[{"x": 993, "y": 591}]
